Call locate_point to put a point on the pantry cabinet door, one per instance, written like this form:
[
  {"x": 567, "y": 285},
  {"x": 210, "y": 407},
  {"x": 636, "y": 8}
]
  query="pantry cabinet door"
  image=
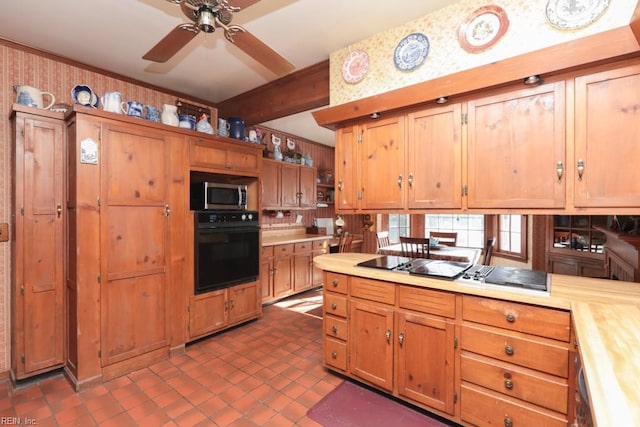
[
  {"x": 607, "y": 150},
  {"x": 516, "y": 143}
]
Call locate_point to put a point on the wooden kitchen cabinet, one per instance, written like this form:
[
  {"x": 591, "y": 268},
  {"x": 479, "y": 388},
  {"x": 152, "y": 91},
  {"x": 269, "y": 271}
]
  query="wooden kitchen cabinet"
[
  {"x": 266, "y": 273},
  {"x": 128, "y": 193},
  {"x": 229, "y": 158},
  {"x": 282, "y": 271},
  {"x": 306, "y": 276},
  {"x": 516, "y": 149},
  {"x": 223, "y": 308},
  {"x": 288, "y": 186},
  {"x": 607, "y": 125},
  {"x": 38, "y": 223},
  {"x": 334, "y": 321},
  {"x": 347, "y": 169}
]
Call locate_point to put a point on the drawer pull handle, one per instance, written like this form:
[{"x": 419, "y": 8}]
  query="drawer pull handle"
[
  {"x": 334, "y": 355},
  {"x": 334, "y": 306},
  {"x": 508, "y": 422},
  {"x": 508, "y": 384},
  {"x": 511, "y": 317},
  {"x": 335, "y": 283},
  {"x": 509, "y": 350},
  {"x": 334, "y": 329}
]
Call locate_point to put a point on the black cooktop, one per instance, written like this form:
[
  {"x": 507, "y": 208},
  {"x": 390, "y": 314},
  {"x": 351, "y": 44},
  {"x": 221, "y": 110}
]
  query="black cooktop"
[
  {"x": 419, "y": 266},
  {"x": 386, "y": 262}
]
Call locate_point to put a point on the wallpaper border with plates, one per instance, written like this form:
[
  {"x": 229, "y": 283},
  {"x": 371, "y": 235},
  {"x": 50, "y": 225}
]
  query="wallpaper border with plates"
[{"x": 463, "y": 36}]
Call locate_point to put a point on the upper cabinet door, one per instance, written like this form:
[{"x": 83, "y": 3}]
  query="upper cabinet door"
[
  {"x": 607, "y": 139},
  {"x": 434, "y": 158},
  {"x": 516, "y": 144},
  {"x": 347, "y": 169},
  {"x": 383, "y": 164}
]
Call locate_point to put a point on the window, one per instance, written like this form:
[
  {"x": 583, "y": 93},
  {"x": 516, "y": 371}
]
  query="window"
[
  {"x": 399, "y": 225},
  {"x": 512, "y": 236},
  {"x": 470, "y": 228}
]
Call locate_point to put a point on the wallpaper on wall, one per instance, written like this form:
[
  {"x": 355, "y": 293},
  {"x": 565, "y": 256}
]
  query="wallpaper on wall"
[{"x": 528, "y": 30}]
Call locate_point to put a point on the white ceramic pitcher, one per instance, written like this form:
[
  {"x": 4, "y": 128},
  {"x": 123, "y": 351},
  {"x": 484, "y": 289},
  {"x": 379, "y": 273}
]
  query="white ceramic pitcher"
[
  {"x": 170, "y": 115},
  {"x": 32, "y": 96}
]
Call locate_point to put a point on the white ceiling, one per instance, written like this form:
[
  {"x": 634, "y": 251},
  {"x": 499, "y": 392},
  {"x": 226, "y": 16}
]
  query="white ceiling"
[{"x": 115, "y": 34}]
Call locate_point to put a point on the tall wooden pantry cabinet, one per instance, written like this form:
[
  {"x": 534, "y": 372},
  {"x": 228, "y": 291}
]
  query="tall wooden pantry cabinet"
[{"x": 38, "y": 224}]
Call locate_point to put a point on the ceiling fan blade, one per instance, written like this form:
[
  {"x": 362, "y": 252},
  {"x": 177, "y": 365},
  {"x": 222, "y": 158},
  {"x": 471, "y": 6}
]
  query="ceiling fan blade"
[
  {"x": 172, "y": 43},
  {"x": 262, "y": 53},
  {"x": 242, "y": 4}
]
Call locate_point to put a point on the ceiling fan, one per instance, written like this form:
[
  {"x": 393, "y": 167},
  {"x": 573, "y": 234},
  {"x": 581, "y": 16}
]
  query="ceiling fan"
[{"x": 207, "y": 15}]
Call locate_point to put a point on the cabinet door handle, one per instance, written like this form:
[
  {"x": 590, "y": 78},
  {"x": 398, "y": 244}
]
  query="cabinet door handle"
[
  {"x": 401, "y": 339},
  {"x": 388, "y": 335},
  {"x": 511, "y": 317},
  {"x": 167, "y": 210},
  {"x": 340, "y": 184},
  {"x": 560, "y": 171},
  {"x": 509, "y": 350},
  {"x": 59, "y": 209},
  {"x": 580, "y": 169},
  {"x": 400, "y": 181},
  {"x": 410, "y": 180}
]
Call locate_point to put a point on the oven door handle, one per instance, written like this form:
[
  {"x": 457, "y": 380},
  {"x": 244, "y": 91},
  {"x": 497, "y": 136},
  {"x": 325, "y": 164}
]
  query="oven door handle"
[{"x": 214, "y": 229}]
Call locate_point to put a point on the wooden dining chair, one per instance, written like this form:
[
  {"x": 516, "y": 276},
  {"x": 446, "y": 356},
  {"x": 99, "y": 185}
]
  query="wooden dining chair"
[
  {"x": 415, "y": 247},
  {"x": 383, "y": 239},
  {"x": 488, "y": 250},
  {"x": 344, "y": 244},
  {"x": 444, "y": 237}
]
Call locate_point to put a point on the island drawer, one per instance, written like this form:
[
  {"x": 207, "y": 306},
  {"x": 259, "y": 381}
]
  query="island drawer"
[
  {"x": 427, "y": 301},
  {"x": 334, "y": 282},
  {"x": 336, "y": 327},
  {"x": 373, "y": 290},
  {"x": 535, "y": 353},
  {"x": 335, "y": 305},
  {"x": 482, "y": 408},
  {"x": 530, "y": 386},
  {"x": 335, "y": 354},
  {"x": 541, "y": 321},
  {"x": 283, "y": 250}
]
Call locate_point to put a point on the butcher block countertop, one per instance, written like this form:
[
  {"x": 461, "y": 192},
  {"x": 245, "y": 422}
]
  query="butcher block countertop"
[
  {"x": 606, "y": 315},
  {"x": 285, "y": 239}
]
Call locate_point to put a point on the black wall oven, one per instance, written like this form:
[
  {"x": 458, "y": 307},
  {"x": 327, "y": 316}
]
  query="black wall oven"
[{"x": 227, "y": 249}]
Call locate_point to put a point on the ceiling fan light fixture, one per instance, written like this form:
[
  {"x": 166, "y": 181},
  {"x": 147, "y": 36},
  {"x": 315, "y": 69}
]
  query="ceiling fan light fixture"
[{"x": 206, "y": 20}]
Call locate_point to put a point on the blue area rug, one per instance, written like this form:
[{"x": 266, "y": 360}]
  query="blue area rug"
[{"x": 352, "y": 405}]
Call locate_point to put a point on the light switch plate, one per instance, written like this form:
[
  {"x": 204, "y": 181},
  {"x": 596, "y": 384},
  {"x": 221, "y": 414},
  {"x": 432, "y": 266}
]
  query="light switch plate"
[{"x": 4, "y": 232}]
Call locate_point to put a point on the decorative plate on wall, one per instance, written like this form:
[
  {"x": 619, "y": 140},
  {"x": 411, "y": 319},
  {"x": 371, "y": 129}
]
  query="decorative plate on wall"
[
  {"x": 483, "y": 28},
  {"x": 573, "y": 14},
  {"x": 355, "y": 66},
  {"x": 411, "y": 52}
]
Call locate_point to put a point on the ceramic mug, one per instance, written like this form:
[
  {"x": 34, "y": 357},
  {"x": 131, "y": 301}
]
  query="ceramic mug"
[
  {"x": 133, "y": 108},
  {"x": 223, "y": 127},
  {"x": 236, "y": 128}
]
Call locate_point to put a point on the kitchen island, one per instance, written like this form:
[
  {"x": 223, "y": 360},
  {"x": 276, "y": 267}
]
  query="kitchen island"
[{"x": 603, "y": 314}]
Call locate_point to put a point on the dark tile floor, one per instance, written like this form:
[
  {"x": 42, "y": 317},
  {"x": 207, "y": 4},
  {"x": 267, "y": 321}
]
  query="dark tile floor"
[{"x": 265, "y": 373}]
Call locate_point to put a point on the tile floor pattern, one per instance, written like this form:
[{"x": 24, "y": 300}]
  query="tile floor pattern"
[{"x": 265, "y": 373}]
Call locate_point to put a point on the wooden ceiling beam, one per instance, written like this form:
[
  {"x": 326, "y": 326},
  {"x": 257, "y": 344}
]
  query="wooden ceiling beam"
[{"x": 294, "y": 93}]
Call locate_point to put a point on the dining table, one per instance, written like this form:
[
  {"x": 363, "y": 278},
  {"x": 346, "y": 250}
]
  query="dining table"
[{"x": 440, "y": 252}]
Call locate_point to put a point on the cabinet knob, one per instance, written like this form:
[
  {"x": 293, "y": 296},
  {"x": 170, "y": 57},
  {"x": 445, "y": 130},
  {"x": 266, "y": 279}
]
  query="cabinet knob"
[
  {"x": 388, "y": 335},
  {"x": 334, "y": 329},
  {"x": 508, "y": 422},
  {"x": 511, "y": 317},
  {"x": 401, "y": 339},
  {"x": 509, "y": 350},
  {"x": 580, "y": 167},
  {"x": 334, "y": 306},
  {"x": 335, "y": 283},
  {"x": 334, "y": 355},
  {"x": 560, "y": 171},
  {"x": 508, "y": 384},
  {"x": 59, "y": 209}
]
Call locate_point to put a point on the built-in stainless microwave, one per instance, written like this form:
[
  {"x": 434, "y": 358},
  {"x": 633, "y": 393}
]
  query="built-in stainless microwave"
[{"x": 212, "y": 195}]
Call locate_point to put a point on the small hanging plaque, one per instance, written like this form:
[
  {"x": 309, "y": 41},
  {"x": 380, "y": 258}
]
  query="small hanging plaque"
[{"x": 89, "y": 151}]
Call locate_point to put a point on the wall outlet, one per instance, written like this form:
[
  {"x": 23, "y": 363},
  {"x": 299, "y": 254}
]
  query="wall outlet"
[{"x": 4, "y": 232}]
